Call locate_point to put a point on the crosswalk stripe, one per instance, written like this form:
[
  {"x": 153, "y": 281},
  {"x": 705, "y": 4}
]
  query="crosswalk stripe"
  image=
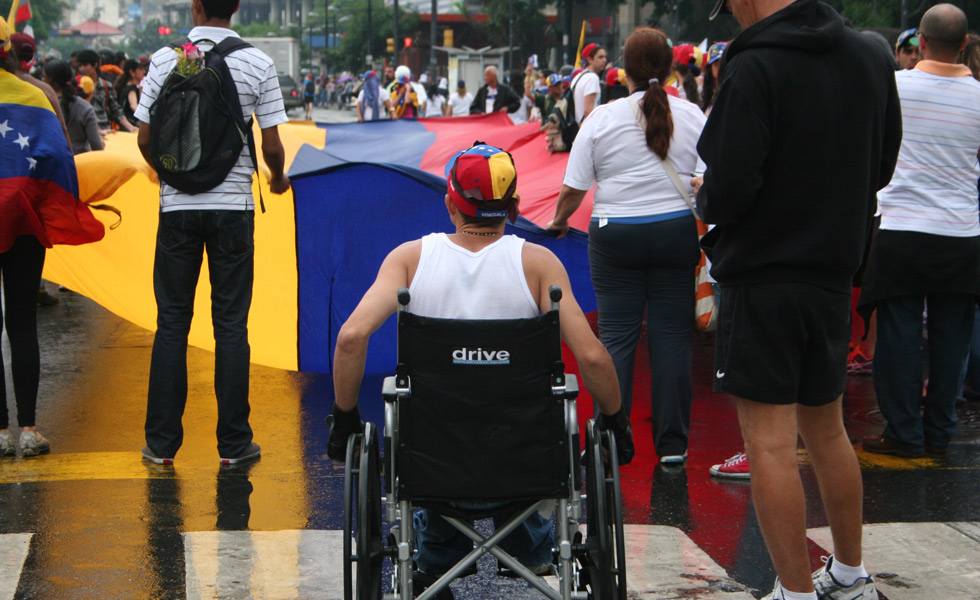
[
  {"x": 920, "y": 561},
  {"x": 662, "y": 563},
  {"x": 264, "y": 564},
  {"x": 13, "y": 553}
]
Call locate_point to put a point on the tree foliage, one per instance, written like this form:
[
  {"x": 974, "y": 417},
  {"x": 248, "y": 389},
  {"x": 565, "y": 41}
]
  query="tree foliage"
[
  {"x": 353, "y": 50},
  {"x": 532, "y": 35}
]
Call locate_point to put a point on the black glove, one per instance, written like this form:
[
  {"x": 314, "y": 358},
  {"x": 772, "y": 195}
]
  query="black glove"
[
  {"x": 342, "y": 424},
  {"x": 619, "y": 425}
]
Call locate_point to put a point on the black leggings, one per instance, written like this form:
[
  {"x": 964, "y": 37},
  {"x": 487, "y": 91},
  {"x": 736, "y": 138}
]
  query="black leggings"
[{"x": 20, "y": 271}]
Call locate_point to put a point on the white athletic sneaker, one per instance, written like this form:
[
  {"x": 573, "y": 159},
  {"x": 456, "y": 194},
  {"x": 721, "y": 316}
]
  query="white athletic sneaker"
[
  {"x": 7, "y": 447},
  {"x": 829, "y": 588},
  {"x": 777, "y": 592},
  {"x": 33, "y": 443}
]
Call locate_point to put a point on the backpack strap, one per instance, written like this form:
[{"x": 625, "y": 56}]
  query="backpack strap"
[
  {"x": 227, "y": 46},
  {"x": 178, "y": 43}
]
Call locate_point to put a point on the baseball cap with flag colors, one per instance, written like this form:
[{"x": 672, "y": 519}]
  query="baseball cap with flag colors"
[{"x": 482, "y": 182}]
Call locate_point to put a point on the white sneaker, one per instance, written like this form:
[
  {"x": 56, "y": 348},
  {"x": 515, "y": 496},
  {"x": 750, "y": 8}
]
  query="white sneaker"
[
  {"x": 7, "y": 447},
  {"x": 829, "y": 588},
  {"x": 33, "y": 443},
  {"x": 777, "y": 592},
  {"x": 673, "y": 459}
]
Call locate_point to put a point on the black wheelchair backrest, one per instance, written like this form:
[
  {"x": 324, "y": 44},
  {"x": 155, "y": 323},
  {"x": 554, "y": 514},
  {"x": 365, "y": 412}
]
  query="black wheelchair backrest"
[{"x": 482, "y": 421}]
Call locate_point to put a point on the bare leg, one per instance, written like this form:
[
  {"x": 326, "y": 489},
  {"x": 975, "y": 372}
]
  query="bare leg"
[
  {"x": 769, "y": 432},
  {"x": 838, "y": 474}
]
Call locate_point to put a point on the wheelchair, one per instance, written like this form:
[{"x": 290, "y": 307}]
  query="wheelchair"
[{"x": 482, "y": 411}]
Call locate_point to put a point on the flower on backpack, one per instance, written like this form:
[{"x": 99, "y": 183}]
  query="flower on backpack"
[{"x": 190, "y": 60}]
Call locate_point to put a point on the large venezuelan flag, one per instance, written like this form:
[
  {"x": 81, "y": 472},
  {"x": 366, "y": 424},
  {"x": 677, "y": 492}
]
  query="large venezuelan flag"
[{"x": 38, "y": 181}]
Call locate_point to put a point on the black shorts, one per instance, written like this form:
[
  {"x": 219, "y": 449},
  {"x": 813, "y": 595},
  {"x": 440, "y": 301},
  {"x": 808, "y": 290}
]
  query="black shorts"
[{"x": 782, "y": 343}]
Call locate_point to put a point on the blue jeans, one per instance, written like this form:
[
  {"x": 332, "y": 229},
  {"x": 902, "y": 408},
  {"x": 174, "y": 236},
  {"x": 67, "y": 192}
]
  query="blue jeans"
[
  {"x": 897, "y": 367},
  {"x": 182, "y": 238},
  {"x": 440, "y": 545},
  {"x": 649, "y": 266}
]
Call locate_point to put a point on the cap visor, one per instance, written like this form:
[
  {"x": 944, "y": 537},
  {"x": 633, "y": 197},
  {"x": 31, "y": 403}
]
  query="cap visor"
[{"x": 720, "y": 8}]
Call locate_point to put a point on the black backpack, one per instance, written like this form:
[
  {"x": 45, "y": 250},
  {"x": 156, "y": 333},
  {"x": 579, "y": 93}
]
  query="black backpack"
[
  {"x": 560, "y": 126},
  {"x": 197, "y": 130}
]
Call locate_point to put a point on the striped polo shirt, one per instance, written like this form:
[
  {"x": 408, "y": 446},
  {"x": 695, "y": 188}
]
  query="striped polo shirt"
[
  {"x": 934, "y": 188},
  {"x": 258, "y": 90}
]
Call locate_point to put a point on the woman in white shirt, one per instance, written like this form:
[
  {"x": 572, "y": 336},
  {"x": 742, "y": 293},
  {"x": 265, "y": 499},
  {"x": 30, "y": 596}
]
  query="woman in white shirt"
[{"x": 643, "y": 242}]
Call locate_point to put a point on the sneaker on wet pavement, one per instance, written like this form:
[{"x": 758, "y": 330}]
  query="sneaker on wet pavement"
[
  {"x": 829, "y": 588},
  {"x": 736, "y": 467},
  {"x": 151, "y": 456},
  {"x": 251, "y": 452},
  {"x": 673, "y": 459},
  {"x": 33, "y": 443},
  {"x": 7, "y": 447}
]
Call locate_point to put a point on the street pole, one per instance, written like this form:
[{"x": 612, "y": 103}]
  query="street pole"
[
  {"x": 510, "y": 34},
  {"x": 433, "y": 63},
  {"x": 905, "y": 16},
  {"x": 370, "y": 32},
  {"x": 566, "y": 37},
  {"x": 396, "y": 32}
]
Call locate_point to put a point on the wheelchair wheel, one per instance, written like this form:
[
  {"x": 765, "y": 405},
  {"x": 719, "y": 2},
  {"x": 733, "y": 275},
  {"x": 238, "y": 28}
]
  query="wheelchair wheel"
[
  {"x": 606, "y": 548},
  {"x": 362, "y": 488}
]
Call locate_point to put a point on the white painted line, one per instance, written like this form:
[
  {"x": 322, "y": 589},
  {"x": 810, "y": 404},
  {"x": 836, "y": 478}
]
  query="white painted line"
[
  {"x": 662, "y": 562},
  {"x": 920, "y": 561},
  {"x": 264, "y": 564},
  {"x": 13, "y": 552}
]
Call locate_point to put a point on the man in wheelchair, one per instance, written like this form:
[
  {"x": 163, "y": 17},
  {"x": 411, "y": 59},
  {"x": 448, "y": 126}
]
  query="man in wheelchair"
[{"x": 475, "y": 273}]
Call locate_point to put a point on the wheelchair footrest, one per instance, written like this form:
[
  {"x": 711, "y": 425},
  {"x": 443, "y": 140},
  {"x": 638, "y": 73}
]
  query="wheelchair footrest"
[{"x": 542, "y": 571}]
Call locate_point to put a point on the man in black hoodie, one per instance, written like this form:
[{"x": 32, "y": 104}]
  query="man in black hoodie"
[{"x": 804, "y": 132}]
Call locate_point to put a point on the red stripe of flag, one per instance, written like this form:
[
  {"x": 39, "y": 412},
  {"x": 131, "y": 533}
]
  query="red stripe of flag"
[{"x": 23, "y": 12}]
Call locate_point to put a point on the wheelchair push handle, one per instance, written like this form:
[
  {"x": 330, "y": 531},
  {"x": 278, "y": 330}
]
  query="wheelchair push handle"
[
  {"x": 554, "y": 292},
  {"x": 404, "y": 297}
]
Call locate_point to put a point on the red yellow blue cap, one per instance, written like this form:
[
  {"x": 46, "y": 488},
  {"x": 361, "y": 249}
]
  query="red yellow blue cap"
[{"x": 482, "y": 182}]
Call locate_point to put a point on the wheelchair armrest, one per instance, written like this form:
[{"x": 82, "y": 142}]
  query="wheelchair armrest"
[
  {"x": 571, "y": 387},
  {"x": 388, "y": 389}
]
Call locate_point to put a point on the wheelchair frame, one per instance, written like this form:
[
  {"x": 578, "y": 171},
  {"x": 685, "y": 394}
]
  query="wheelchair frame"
[{"x": 591, "y": 570}]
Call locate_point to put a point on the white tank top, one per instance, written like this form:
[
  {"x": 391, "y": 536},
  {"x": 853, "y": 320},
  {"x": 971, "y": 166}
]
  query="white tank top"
[{"x": 453, "y": 283}]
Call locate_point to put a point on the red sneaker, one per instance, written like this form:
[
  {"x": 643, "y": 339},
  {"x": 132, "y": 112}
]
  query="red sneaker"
[{"x": 736, "y": 467}]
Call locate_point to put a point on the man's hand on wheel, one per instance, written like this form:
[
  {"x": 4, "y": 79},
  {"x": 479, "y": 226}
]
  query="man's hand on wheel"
[
  {"x": 619, "y": 425},
  {"x": 343, "y": 424}
]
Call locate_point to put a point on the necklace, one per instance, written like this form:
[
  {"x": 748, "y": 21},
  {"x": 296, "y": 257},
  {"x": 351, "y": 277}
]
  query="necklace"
[{"x": 487, "y": 233}]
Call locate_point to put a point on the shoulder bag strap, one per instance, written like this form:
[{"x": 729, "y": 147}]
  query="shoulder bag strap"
[{"x": 668, "y": 164}]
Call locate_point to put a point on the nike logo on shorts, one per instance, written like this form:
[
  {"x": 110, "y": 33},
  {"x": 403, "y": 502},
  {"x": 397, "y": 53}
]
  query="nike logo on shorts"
[{"x": 719, "y": 374}]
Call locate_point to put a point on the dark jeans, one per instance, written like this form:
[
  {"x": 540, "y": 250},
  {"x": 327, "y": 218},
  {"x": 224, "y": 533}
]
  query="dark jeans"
[
  {"x": 897, "y": 366},
  {"x": 441, "y": 545},
  {"x": 182, "y": 238},
  {"x": 20, "y": 270},
  {"x": 649, "y": 266}
]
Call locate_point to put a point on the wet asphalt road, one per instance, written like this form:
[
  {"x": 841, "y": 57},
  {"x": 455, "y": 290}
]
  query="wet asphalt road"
[{"x": 107, "y": 525}]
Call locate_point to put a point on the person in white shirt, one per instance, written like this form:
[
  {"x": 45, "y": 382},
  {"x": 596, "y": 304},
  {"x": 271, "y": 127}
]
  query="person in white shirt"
[
  {"x": 587, "y": 87},
  {"x": 220, "y": 220},
  {"x": 436, "y": 105},
  {"x": 643, "y": 241},
  {"x": 459, "y": 103},
  {"x": 927, "y": 248}
]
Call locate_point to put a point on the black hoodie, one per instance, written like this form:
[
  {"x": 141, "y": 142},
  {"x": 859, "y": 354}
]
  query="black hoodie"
[{"x": 804, "y": 132}]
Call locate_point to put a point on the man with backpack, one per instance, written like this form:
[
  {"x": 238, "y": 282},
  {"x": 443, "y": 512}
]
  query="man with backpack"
[{"x": 195, "y": 217}]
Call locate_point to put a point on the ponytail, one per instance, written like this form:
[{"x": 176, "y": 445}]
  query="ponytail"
[{"x": 659, "y": 120}]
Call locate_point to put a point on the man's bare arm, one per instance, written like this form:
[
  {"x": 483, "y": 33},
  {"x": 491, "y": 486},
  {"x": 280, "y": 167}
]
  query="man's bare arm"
[
  {"x": 378, "y": 303},
  {"x": 275, "y": 159},
  {"x": 595, "y": 364}
]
